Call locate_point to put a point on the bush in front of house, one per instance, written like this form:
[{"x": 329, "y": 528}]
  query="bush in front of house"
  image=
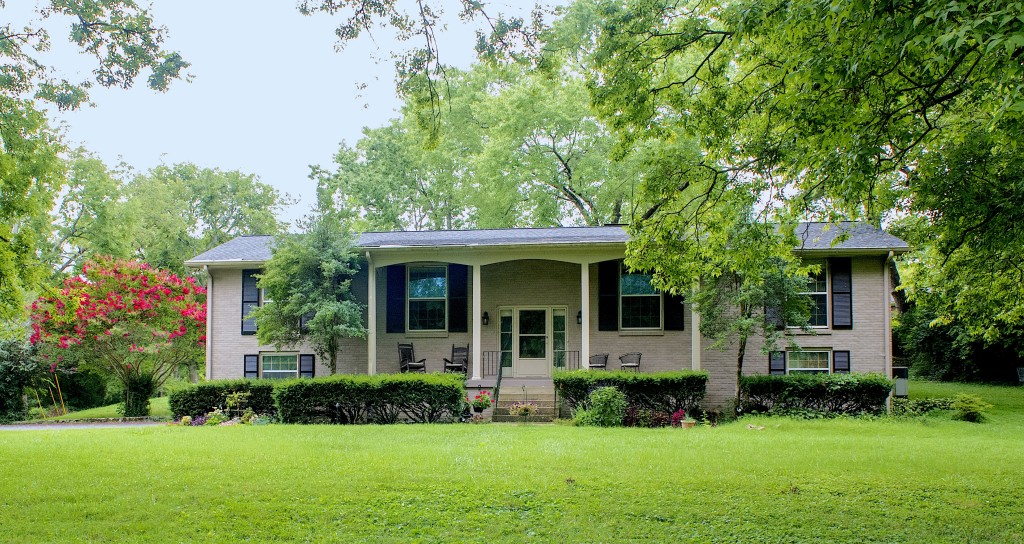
[
  {"x": 198, "y": 400},
  {"x": 665, "y": 392},
  {"x": 606, "y": 407},
  {"x": 920, "y": 407},
  {"x": 389, "y": 398},
  {"x": 824, "y": 394}
]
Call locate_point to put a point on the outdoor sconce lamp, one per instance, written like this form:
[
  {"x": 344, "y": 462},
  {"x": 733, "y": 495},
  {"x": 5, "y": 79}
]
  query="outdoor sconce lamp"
[
  {"x": 579, "y": 317},
  {"x": 487, "y": 319}
]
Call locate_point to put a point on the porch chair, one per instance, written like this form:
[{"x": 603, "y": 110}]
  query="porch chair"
[
  {"x": 407, "y": 361},
  {"x": 459, "y": 361},
  {"x": 599, "y": 360},
  {"x": 630, "y": 361}
]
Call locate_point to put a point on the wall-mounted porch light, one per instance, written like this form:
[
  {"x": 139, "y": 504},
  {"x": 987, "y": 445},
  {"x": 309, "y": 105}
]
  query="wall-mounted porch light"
[
  {"x": 486, "y": 319},
  {"x": 579, "y": 317}
]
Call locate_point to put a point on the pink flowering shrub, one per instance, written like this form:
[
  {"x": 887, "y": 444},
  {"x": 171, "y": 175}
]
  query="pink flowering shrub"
[{"x": 130, "y": 320}]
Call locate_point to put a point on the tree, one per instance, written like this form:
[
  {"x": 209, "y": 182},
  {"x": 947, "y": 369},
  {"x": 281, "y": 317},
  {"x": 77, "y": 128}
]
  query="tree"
[
  {"x": 30, "y": 174},
  {"x": 183, "y": 210},
  {"x": 91, "y": 217},
  {"x": 124, "y": 41},
  {"x": 478, "y": 166},
  {"x": 135, "y": 323},
  {"x": 309, "y": 280},
  {"x": 859, "y": 111},
  {"x": 18, "y": 368}
]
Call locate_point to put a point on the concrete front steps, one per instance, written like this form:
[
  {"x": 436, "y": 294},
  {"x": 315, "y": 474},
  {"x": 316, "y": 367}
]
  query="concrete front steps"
[{"x": 542, "y": 397}]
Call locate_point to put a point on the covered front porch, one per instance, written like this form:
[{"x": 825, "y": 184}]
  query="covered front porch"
[{"x": 523, "y": 312}]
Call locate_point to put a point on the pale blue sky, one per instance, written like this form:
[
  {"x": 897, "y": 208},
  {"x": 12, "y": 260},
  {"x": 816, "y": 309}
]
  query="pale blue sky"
[{"x": 270, "y": 95}]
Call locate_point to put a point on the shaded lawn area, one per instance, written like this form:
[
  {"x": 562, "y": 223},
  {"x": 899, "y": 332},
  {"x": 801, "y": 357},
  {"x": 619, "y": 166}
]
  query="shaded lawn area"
[
  {"x": 158, "y": 407},
  {"x": 927, "y": 480}
]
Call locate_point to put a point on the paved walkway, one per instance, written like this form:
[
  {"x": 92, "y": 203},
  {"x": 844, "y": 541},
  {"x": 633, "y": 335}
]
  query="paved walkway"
[{"x": 79, "y": 425}]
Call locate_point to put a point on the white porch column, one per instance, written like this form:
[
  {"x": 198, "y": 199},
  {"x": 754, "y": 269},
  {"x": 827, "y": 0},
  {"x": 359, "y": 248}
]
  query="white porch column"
[
  {"x": 475, "y": 321},
  {"x": 695, "y": 348},
  {"x": 585, "y": 309},
  {"x": 209, "y": 323},
  {"x": 371, "y": 317}
]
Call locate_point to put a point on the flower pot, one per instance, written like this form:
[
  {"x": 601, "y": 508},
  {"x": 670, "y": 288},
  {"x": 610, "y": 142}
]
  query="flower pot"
[
  {"x": 479, "y": 409},
  {"x": 687, "y": 424}
]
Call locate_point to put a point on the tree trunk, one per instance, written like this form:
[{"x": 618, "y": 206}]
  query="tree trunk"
[
  {"x": 739, "y": 367},
  {"x": 899, "y": 296}
]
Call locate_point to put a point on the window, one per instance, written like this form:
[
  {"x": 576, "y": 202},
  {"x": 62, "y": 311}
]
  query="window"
[
  {"x": 558, "y": 337},
  {"x": 428, "y": 298},
  {"x": 809, "y": 362},
  {"x": 250, "y": 300},
  {"x": 276, "y": 366},
  {"x": 505, "y": 338},
  {"x": 533, "y": 334},
  {"x": 817, "y": 290},
  {"x": 640, "y": 302}
]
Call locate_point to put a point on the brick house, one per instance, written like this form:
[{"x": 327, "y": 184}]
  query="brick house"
[{"x": 527, "y": 301}]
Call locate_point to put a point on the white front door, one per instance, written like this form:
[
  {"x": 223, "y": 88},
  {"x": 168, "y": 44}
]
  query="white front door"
[{"x": 532, "y": 346}]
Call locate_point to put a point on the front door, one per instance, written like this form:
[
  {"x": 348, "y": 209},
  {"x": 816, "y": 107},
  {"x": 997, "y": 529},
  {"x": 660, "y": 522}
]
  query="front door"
[{"x": 532, "y": 348}]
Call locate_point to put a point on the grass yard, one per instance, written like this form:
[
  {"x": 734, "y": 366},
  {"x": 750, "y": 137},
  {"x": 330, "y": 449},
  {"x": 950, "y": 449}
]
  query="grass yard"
[
  {"x": 158, "y": 407},
  {"x": 928, "y": 480}
]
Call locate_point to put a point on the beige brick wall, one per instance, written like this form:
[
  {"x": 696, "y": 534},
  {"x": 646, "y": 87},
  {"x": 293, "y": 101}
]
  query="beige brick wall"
[
  {"x": 548, "y": 284},
  {"x": 229, "y": 345},
  {"x": 866, "y": 341}
]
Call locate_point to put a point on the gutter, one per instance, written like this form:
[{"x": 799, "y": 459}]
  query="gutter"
[{"x": 887, "y": 309}]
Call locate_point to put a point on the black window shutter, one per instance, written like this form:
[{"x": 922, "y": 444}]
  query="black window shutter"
[
  {"x": 675, "y": 314},
  {"x": 842, "y": 293},
  {"x": 252, "y": 366},
  {"x": 458, "y": 298},
  {"x": 777, "y": 362},
  {"x": 307, "y": 366},
  {"x": 608, "y": 295},
  {"x": 396, "y": 298},
  {"x": 250, "y": 300},
  {"x": 841, "y": 362}
]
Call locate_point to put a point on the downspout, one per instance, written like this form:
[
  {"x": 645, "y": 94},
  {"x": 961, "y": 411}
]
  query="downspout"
[
  {"x": 887, "y": 340},
  {"x": 209, "y": 322}
]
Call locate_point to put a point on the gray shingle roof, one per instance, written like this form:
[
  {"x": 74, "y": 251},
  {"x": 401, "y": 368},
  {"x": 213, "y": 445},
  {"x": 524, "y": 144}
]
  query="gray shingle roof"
[{"x": 849, "y": 236}]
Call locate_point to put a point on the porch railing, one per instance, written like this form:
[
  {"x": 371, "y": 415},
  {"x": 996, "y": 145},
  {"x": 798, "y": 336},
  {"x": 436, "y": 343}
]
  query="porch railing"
[
  {"x": 564, "y": 360},
  {"x": 567, "y": 360}
]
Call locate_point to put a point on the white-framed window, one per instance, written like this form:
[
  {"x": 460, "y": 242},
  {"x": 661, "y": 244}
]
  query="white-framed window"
[
  {"x": 264, "y": 299},
  {"x": 817, "y": 291},
  {"x": 427, "y": 298},
  {"x": 809, "y": 362},
  {"x": 639, "y": 301},
  {"x": 279, "y": 365}
]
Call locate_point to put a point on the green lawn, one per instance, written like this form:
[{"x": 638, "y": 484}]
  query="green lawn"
[
  {"x": 158, "y": 407},
  {"x": 929, "y": 480}
]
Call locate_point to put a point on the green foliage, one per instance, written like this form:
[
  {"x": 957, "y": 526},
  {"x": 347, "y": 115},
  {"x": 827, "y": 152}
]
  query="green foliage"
[
  {"x": 825, "y": 394},
  {"x": 478, "y": 166},
  {"x": 919, "y": 407},
  {"x": 31, "y": 174},
  {"x": 967, "y": 407},
  {"x": 18, "y": 368},
  {"x": 83, "y": 388},
  {"x": 183, "y": 210},
  {"x": 138, "y": 388},
  {"x": 659, "y": 391},
  {"x": 421, "y": 398},
  {"x": 200, "y": 399},
  {"x": 309, "y": 279},
  {"x": 606, "y": 408}
]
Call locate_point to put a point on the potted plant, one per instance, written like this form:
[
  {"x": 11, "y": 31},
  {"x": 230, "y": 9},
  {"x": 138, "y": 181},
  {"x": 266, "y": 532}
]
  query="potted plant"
[
  {"x": 524, "y": 409},
  {"x": 679, "y": 419},
  {"x": 481, "y": 401}
]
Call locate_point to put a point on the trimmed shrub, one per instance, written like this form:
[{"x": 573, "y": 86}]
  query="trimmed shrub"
[
  {"x": 920, "y": 407},
  {"x": 969, "y": 408},
  {"x": 421, "y": 398},
  {"x": 657, "y": 391},
  {"x": 198, "y": 400},
  {"x": 825, "y": 394}
]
